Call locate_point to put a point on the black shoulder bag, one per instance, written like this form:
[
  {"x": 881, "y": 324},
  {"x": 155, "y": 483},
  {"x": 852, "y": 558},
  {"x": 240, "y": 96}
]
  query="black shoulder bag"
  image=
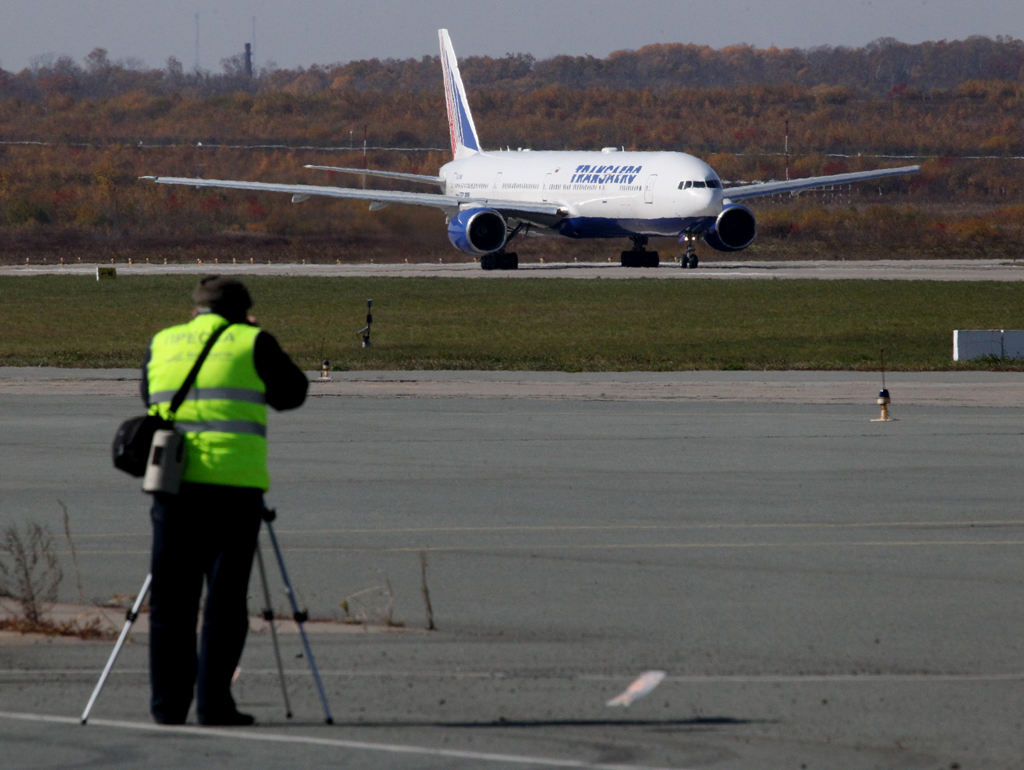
[{"x": 135, "y": 436}]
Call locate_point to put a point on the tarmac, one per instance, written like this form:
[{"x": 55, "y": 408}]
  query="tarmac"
[
  {"x": 880, "y": 269},
  {"x": 822, "y": 591}
]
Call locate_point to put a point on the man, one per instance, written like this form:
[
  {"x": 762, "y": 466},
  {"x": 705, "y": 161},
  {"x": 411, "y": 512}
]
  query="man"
[{"x": 209, "y": 529}]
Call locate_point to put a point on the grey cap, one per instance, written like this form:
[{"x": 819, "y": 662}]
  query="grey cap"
[{"x": 224, "y": 296}]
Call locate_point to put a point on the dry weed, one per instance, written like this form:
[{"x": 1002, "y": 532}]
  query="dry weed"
[{"x": 29, "y": 572}]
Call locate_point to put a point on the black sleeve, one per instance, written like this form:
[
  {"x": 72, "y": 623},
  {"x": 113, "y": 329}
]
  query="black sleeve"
[
  {"x": 286, "y": 383},
  {"x": 144, "y": 382}
]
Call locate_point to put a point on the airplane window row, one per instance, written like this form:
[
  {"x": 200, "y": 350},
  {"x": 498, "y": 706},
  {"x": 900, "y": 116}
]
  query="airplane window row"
[{"x": 712, "y": 183}]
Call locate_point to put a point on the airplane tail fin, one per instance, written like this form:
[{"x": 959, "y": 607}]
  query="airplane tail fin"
[{"x": 460, "y": 119}]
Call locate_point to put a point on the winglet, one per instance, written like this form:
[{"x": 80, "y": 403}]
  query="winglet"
[{"x": 460, "y": 119}]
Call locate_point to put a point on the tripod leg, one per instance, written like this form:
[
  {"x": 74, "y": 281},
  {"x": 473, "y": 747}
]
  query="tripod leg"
[
  {"x": 300, "y": 617},
  {"x": 133, "y": 613},
  {"x": 268, "y": 615}
]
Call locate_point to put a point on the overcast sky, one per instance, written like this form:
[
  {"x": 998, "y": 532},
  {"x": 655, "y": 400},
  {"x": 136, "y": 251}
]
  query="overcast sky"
[{"x": 303, "y": 32}]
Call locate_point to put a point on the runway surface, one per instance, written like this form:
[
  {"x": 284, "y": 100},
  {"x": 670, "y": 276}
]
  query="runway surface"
[
  {"x": 883, "y": 269},
  {"x": 822, "y": 591},
  {"x": 854, "y": 388}
]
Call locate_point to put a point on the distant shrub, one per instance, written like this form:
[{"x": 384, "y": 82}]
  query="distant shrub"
[{"x": 23, "y": 212}]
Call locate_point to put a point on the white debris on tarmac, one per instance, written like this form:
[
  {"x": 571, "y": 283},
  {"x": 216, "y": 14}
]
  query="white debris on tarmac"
[{"x": 640, "y": 687}]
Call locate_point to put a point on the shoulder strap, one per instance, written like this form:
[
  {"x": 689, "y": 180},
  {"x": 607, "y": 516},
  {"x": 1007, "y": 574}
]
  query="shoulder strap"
[{"x": 179, "y": 397}]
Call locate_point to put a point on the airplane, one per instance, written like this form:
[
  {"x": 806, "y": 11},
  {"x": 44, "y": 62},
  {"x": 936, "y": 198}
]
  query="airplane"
[{"x": 490, "y": 197}]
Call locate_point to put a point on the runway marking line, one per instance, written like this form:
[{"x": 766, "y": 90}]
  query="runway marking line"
[
  {"x": 652, "y": 546},
  {"x": 617, "y": 527},
  {"x": 391, "y": 748},
  {"x": 662, "y": 527},
  {"x": 501, "y": 675},
  {"x": 535, "y": 548},
  {"x": 601, "y": 527}
]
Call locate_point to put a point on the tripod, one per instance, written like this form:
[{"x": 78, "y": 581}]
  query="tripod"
[{"x": 298, "y": 616}]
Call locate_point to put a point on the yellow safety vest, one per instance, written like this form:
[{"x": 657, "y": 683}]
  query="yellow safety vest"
[{"x": 224, "y": 415}]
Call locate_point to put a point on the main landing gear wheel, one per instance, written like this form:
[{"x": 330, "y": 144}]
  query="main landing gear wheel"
[
  {"x": 500, "y": 260},
  {"x": 640, "y": 259},
  {"x": 638, "y": 256}
]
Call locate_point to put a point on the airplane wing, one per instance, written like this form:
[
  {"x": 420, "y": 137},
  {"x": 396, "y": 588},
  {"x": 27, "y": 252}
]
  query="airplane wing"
[
  {"x": 794, "y": 185},
  {"x": 383, "y": 174},
  {"x": 300, "y": 192}
]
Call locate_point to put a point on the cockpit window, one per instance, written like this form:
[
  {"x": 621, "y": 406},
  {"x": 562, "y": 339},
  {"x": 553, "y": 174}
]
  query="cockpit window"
[{"x": 712, "y": 183}]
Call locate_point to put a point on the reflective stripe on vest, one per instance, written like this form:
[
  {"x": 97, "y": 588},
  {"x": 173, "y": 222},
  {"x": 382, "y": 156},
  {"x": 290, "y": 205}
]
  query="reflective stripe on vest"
[
  {"x": 221, "y": 426},
  {"x": 224, "y": 416},
  {"x": 224, "y": 394}
]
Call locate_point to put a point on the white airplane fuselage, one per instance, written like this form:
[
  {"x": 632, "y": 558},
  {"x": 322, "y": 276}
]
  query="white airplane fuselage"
[{"x": 606, "y": 194}]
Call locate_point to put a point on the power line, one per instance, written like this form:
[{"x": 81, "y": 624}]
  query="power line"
[{"x": 329, "y": 148}]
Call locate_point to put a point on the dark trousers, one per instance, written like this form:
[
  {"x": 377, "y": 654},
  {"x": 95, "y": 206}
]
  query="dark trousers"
[{"x": 209, "y": 532}]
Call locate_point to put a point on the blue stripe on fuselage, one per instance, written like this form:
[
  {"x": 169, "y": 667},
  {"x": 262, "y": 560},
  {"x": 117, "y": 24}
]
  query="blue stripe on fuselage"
[{"x": 606, "y": 227}]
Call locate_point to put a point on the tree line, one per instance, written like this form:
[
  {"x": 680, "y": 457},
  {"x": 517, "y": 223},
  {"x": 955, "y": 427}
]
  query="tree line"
[
  {"x": 881, "y": 67},
  {"x": 976, "y": 118}
]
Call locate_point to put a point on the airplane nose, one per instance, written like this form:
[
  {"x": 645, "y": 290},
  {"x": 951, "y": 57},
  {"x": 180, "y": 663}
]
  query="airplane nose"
[{"x": 706, "y": 202}]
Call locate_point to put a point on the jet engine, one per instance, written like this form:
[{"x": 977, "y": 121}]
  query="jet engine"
[
  {"x": 734, "y": 229},
  {"x": 477, "y": 231}
]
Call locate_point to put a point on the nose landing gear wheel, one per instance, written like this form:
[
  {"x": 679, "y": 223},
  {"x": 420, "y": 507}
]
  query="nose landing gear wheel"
[{"x": 689, "y": 260}]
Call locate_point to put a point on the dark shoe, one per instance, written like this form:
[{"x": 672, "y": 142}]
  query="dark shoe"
[{"x": 229, "y": 719}]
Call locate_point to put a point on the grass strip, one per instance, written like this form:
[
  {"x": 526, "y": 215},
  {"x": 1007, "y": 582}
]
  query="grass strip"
[{"x": 549, "y": 324}]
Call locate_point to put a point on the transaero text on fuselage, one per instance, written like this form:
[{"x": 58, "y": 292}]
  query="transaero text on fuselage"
[{"x": 605, "y": 174}]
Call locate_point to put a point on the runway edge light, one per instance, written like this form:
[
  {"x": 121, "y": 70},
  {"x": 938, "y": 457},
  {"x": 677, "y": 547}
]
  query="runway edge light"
[
  {"x": 883, "y": 399},
  {"x": 325, "y": 366},
  {"x": 365, "y": 331}
]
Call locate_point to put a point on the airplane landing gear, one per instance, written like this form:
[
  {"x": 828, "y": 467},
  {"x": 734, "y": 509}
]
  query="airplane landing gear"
[
  {"x": 638, "y": 256},
  {"x": 689, "y": 259},
  {"x": 500, "y": 260}
]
